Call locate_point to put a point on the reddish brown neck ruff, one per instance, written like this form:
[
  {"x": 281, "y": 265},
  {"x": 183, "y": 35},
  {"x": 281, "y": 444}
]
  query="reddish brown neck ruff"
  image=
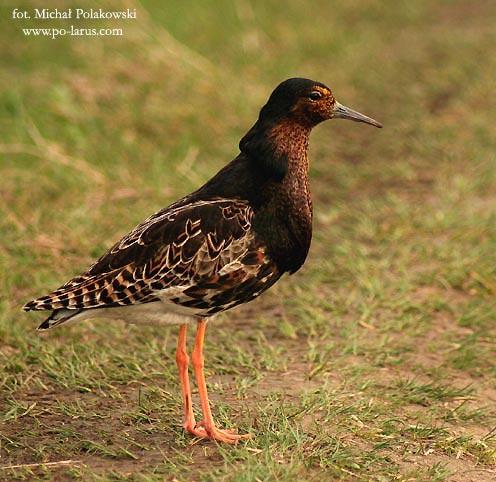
[
  {"x": 290, "y": 141},
  {"x": 290, "y": 208}
]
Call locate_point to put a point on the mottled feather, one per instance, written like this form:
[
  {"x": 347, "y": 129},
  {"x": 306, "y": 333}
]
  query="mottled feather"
[{"x": 201, "y": 255}]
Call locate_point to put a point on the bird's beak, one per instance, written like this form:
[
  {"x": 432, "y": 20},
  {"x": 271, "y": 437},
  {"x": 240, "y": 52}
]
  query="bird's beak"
[{"x": 342, "y": 112}]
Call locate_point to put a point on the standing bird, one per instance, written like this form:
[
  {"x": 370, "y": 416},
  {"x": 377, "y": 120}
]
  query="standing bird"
[{"x": 216, "y": 248}]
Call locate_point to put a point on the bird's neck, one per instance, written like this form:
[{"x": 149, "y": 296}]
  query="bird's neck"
[
  {"x": 278, "y": 147},
  {"x": 290, "y": 142}
]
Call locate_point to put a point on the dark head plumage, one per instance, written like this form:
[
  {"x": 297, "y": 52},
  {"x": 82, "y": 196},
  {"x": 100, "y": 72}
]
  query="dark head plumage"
[
  {"x": 297, "y": 98},
  {"x": 307, "y": 101}
]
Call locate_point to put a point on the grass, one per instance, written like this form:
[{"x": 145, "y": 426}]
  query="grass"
[{"x": 376, "y": 361}]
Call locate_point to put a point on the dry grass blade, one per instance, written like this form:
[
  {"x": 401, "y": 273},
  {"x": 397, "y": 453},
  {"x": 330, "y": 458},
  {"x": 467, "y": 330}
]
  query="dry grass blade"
[{"x": 41, "y": 464}]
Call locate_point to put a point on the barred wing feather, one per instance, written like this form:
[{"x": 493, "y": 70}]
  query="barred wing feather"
[{"x": 202, "y": 255}]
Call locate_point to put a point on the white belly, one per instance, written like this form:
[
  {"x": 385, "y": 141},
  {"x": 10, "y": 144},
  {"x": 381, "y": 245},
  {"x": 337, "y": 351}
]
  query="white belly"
[{"x": 154, "y": 313}]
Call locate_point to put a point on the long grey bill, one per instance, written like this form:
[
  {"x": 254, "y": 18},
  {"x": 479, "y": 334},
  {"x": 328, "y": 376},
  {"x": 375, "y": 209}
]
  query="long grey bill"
[{"x": 343, "y": 112}]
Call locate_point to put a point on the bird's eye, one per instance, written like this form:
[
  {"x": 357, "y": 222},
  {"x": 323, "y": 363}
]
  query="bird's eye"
[{"x": 315, "y": 95}]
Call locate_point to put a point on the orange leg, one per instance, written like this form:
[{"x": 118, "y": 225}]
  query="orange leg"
[
  {"x": 182, "y": 360},
  {"x": 207, "y": 428}
]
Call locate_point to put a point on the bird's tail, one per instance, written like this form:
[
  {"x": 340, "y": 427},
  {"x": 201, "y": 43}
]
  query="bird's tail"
[
  {"x": 57, "y": 317},
  {"x": 61, "y": 302}
]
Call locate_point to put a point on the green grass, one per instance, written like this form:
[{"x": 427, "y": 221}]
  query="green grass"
[{"x": 376, "y": 361}]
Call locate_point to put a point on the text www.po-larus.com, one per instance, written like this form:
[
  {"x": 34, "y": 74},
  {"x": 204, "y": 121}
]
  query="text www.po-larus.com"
[{"x": 72, "y": 32}]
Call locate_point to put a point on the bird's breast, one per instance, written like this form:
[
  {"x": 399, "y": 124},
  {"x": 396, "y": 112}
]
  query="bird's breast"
[{"x": 285, "y": 226}]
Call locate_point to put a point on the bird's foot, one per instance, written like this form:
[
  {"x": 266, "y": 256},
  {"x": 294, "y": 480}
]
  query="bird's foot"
[{"x": 211, "y": 432}]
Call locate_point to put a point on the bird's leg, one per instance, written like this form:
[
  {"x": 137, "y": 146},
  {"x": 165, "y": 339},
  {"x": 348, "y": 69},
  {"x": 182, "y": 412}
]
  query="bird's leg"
[
  {"x": 182, "y": 360},
  {"x": 207, "y": 426}
]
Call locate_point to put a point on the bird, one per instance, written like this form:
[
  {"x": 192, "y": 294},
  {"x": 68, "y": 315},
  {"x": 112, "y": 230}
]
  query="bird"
[{"x": 221, "y": 246}]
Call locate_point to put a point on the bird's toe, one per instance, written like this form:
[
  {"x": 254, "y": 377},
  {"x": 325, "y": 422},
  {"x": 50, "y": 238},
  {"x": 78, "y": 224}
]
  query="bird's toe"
[{"x": 202, "y": 431}]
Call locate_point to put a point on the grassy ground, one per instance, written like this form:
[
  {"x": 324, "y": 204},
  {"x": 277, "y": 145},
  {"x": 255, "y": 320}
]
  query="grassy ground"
[{"x": 376, "y": 362}]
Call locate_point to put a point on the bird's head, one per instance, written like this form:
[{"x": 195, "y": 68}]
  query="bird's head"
[
  {"x": 285, "y": 121},
  {"x": 308, "y": 102}
]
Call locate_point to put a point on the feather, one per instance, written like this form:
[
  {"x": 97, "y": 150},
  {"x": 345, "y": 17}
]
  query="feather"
[{"x": 201, "y": 255}]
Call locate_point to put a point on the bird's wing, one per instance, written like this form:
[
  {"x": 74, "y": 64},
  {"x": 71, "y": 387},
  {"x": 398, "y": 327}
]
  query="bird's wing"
[{"x": 195, "y": 255}]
